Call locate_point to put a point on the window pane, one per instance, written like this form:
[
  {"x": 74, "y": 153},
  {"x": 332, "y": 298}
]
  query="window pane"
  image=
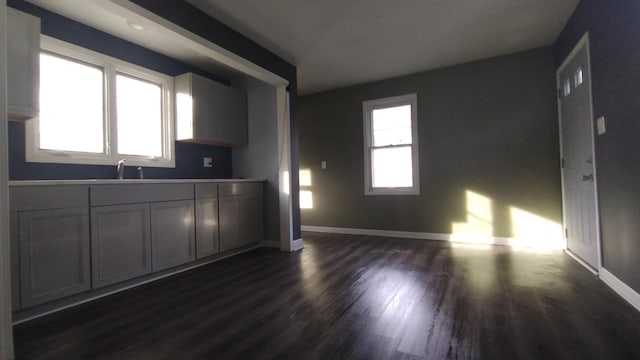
[
  {"x": 71, "y": 105},
  {"x": 139, "y": 112},
  {"x": 391, "y": 126},
  {"x": 566, "y": 89},
  {"x": 391, "y": 167},
  {"x": 578, "y": 77}
]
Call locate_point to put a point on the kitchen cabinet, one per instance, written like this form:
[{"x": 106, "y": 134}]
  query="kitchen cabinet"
[
  {"x": 120, "y": 243},
  {"x": 23, "y": 65},
  {"x": 172, "y": 234},
  {"x": 69, "y": 239},
  {"x": 207, "y": 239},
  {"x": 14, "y": 241},
  {"x": 241, "y": 215},
  {"x": 209, "y": 112},
  {"x": 50, "y": 240},
  {"x": 140, "y": 228}
]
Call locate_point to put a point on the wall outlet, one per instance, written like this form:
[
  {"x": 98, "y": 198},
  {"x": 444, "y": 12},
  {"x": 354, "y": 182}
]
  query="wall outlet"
[
  {"x": 207, "y": 162},
  {"x": 323, "y": 164}
]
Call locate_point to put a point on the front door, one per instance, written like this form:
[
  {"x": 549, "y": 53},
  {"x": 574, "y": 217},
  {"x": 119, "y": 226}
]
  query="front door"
[{"x": 578, "y": 172}]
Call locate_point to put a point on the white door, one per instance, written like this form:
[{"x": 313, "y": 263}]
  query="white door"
[{"x": 578, "y": 172}]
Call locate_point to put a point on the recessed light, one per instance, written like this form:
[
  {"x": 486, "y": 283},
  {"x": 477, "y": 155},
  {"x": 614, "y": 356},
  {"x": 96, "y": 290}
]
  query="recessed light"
[{"x": 134, "y": 25}]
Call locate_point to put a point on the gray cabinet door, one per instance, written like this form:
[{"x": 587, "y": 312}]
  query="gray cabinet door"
[
  {"x": 23, "y": 60},
  {"x": 54, "y": 254},
  {"x": 120, "y": 243},
  {"x": 15, "y": 260},
  {"x": 253, "y": 224},
  {"x": 229, "y": 223},
  {"x": 207, "y": 239},
  {"x": 210, "y": 112},
  {"x": 172, "y": 234},
  {"x": 240, "y": 221}
]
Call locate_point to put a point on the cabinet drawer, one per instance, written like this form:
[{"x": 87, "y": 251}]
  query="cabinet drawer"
[
  {"x": 206, "y": 190},
  {"x": 240, "y": 189},
  {"x": 24, "y": 198},
  {"x": 139, "y": 193}
]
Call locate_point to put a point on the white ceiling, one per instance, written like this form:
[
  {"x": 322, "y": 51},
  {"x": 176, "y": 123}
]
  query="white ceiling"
[{"x": 336, "y": 43}]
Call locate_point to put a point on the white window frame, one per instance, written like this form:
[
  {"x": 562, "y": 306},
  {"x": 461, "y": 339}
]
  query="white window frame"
[
  {"x": 367, "y": 111},
  {"x": 112, "y": 67}
]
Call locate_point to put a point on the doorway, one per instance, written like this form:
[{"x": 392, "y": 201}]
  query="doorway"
[{"x": 579, "y": 198}]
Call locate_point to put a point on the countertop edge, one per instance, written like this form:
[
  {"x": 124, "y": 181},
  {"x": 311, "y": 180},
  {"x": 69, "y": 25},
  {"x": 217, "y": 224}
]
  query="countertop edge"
[{"x": 126, "y": 181}]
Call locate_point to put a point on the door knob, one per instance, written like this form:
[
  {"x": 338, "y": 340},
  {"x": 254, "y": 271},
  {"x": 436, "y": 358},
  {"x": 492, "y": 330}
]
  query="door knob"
[{"x": 587, "y": 177}]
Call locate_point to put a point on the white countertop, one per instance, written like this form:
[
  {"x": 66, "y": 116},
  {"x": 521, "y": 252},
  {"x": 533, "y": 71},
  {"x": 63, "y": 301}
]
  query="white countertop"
[{"x": 124, "y": 181}]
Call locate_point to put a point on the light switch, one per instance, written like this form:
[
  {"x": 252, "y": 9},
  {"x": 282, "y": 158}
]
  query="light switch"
[
  {"x": 323, "y": 164},
  {"x": 600, "y": 125},
  {"x": 207, "y": 162}
]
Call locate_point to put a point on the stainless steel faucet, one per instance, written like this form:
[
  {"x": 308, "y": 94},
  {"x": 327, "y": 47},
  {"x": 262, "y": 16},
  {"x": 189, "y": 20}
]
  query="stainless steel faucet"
[{"x": 121, "y": 169}]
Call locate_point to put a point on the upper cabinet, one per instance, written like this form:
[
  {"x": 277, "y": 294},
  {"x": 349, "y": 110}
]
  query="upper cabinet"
[
  {"x": 210, "y": 113},
  {"x": 23, "y": 64}
]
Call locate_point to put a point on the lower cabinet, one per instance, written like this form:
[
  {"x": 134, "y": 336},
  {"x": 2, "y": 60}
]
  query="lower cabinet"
[
  {"x": 241, "y": 220},
  {"x": 120, "y": 243},
  {"x": 54, "y": 254},
  {"x": 69, "y": 239},
  {"x": 172, "y": 234},
  {"x": 207, "y": 239},
  {"x": 15, "y": 260}
]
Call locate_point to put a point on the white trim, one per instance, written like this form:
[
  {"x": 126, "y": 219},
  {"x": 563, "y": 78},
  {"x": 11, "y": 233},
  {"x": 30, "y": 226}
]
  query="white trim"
[
  {"x": 111, "y": 67},
  {"x": 627, "y": 293},
  {"x": 297, "y": 245},
  {"x": 584, "y": 41},
  {"x": 475, "y": 239},
  {"x": 6, "y": 335},
  {"x": 367, "y": 109},
  {"x": 271, "y": 244},
  {"x": 284, "y": 169},
  {"x": 130, "y": 286}
]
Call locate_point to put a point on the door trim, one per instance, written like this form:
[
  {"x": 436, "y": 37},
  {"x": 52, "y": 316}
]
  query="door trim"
[{"x": 584, "y": 41}]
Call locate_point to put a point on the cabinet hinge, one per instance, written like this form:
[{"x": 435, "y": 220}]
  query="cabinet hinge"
[{"x": 566, "y": 233}]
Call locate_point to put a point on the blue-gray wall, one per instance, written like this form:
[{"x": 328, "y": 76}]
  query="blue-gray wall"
[
  {"x": 489, "y": 127},
  {"x": 188, "y": 156},
  {"x": 614, "y": 34}
]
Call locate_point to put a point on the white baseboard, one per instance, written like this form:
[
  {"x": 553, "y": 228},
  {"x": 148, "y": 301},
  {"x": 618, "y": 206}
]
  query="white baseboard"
[
  {"x": 272, "y": 244},
  {"x": 470, "y": 238},
  {"x": 582, "y": 262},
  {"x": 297, "y": 245},
  {"x": 621, "y": 288}
]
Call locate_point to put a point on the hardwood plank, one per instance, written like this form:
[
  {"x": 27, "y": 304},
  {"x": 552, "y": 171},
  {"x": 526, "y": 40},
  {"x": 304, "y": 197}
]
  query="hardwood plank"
[{"x": 353, "y": 297}]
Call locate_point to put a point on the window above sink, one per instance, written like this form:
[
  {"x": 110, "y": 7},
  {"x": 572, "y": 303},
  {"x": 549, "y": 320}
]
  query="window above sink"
[{"x": 95, "y": 109}]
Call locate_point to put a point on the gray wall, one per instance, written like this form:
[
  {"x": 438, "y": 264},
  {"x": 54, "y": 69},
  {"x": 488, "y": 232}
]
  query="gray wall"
[
  {"x": 614, "y": 34},
  {"x": 259, "y": 159},
  {"x": 489, "y": 127}
]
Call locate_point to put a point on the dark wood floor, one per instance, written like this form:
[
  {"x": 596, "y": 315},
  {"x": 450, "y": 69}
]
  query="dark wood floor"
[{"x": 353, "y": 297}]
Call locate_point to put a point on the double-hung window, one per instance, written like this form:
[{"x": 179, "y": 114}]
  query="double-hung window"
[
  {"x": 95, "y": 109},
  {"x": 391, "y": 146}
]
